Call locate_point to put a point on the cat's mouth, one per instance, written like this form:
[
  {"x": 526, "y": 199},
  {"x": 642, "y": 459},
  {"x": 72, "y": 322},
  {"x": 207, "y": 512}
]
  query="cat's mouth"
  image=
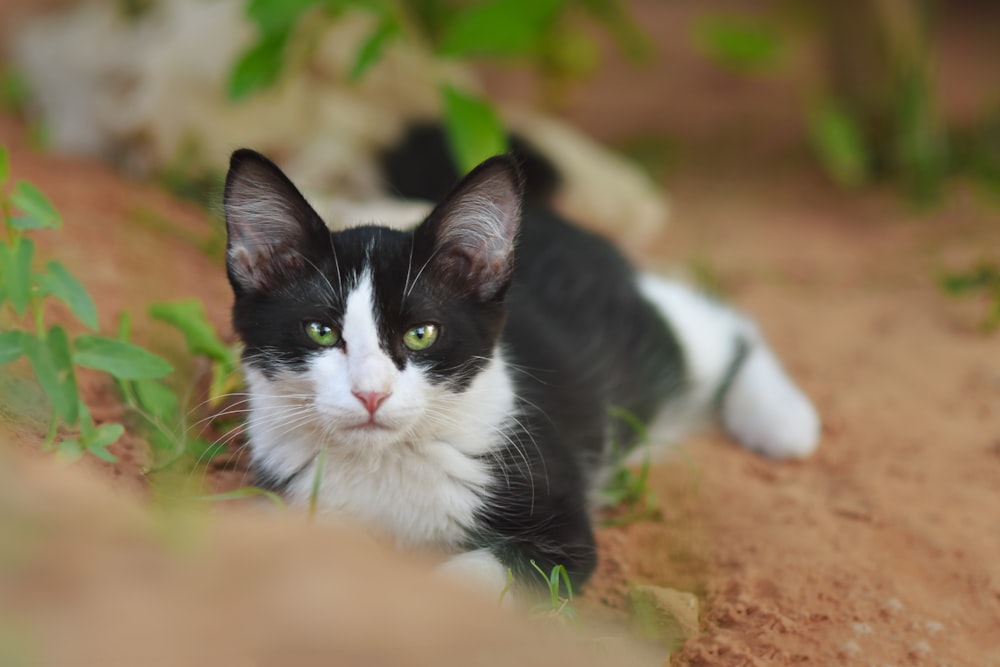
[{"x": 370, "y": 425}]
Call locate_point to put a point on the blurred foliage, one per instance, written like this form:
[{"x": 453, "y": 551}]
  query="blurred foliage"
[
  {"x": 476, "y": 132},
  {"x": 550, "y": 35},
  {"x": 872, "y": 117},
  {"x": 984, "y": 279},
  {"x": 838, "y": 139},
  {"x": 54, "y": 354},
  {"x": 739, "y": 43},
  {"x": 875, "y": 114}
]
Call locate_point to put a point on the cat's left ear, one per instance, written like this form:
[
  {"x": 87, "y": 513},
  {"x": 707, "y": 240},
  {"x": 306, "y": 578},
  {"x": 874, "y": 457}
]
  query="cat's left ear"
[
  {"x": 474, "y": 228},
  {"x": 272, "y": 229}
]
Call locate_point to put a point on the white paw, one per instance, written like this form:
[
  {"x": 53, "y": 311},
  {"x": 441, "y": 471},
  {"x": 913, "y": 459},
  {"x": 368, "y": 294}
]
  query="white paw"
[
  {"x": 767, "y": 413},
  {"x": 481, "y": 571}
]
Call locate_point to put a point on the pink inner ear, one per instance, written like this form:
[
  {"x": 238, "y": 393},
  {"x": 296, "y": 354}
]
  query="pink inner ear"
[
  {"x": 262, "y": 267},
  {"x": 477, "y": 225}
]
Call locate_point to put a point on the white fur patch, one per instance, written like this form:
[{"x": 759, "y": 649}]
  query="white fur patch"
[
  {"x": 416, "y": 474},
  {"x": 481, "y": 571},
  {"x": 762, "y": 408},
  {"x": 766, "y": 412}
]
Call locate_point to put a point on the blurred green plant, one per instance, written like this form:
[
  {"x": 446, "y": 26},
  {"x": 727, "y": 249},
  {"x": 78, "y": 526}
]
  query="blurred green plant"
[
  {"x": 548, "y": 34},
  {"x": 558, "y": 606},
  {"x": 838, "y": 140},
  {"x": 627, "y": 490},
  {"x": 875, "y": 115},
  {"x": 54, "y": 354},
  {"x": 984, "y": 278},
  {"x": 739, "y": 43},
  {"x": 164, "y": 415}
]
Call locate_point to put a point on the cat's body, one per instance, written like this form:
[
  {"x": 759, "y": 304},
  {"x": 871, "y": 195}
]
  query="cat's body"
[{"x": 459, "y": 394}]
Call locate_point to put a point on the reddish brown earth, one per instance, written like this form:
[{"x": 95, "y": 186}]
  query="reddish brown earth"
[{"x": 882, "y": 549}]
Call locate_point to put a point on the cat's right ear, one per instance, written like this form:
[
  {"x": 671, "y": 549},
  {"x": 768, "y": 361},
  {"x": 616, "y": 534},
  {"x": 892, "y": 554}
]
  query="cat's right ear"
[
  {"x": 473, "y": 230},
  {"x": 271, "y": 227}
]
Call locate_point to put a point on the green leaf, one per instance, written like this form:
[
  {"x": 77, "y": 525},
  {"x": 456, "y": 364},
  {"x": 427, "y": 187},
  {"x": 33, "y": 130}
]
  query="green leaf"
[
  {"x": 740, "y": 44},
  {"x": 69, "y": 450},
  {"x": 17, "y": 274},
  {"x": 500, "y": 28},
  {"x": 30, "y": 199},
  {"x": 837, "y": 138},
  {"x": 50, "y": 359},
  {"x": 61, "y": 284},
  {"x": 157, "y": 399},
  {"x": 98, "y": 440},
  {"x": 274, "y": 16},
  {"x": 119, "y": 359},
  {"x": 4, "y": 164},
  {"x": 10, "y": 346},
  {"x": 371, "y": 49},
  {"x": 474, "y": 129},
  {"x": 204, "y": 451},
  {"x": 188, "y": 316},
  {"x": 259, "y": 67}
]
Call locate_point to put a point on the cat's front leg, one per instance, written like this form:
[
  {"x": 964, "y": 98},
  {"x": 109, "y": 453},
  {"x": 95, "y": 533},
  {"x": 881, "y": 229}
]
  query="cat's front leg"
[{"x": 480, "y": 570}]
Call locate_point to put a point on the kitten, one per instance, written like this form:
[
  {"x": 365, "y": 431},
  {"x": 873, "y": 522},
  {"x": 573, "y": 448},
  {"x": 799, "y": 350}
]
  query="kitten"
[{"x": 456, "y": 382}]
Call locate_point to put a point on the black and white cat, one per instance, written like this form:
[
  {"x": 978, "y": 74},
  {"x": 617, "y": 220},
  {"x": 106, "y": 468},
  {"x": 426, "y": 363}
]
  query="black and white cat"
[{"x": 457, "y": 382}]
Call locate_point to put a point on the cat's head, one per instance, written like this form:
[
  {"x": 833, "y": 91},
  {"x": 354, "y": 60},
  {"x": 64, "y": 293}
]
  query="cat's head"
[{"x": 369, "y": 330}]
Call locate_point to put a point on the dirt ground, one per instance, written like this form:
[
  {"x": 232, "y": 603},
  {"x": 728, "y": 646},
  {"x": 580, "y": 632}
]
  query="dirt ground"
[{"x": 883, "y": 548}]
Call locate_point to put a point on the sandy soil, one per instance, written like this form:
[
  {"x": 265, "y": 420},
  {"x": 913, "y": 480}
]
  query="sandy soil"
[{"x": 883, "y": 549}]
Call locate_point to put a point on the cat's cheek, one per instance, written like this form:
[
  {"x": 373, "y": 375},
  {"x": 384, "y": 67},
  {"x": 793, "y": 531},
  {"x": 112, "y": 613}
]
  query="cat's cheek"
[
  {"x": 328, "y": 375},
  {"x": 409, "y": 401}
]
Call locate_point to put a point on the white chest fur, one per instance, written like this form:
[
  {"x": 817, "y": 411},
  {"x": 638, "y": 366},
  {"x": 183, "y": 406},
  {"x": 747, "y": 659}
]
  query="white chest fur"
[{"x": 422, "y": 488}]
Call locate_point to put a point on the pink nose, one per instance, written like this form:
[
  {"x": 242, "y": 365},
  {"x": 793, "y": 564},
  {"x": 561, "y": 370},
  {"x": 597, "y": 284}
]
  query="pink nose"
[{"x": 371, "y": 399}]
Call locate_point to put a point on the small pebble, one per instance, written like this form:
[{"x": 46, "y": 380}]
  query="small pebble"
[
  {"x": 861, "y": 628},
  {"x": 892, "y": 605},
  {"x": 849, "y": 648}
]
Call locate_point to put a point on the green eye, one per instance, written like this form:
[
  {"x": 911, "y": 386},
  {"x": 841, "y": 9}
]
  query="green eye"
[
  {"x": 420, "y": 337},
  {"x": 321, "y": 334}
]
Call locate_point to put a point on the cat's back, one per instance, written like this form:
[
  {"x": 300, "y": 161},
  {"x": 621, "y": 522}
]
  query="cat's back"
[{"x": 580, "y": 329}]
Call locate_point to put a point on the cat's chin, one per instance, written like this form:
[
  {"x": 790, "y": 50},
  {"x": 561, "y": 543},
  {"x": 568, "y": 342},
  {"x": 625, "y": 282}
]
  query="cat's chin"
[{"x": 368, "y": 436}]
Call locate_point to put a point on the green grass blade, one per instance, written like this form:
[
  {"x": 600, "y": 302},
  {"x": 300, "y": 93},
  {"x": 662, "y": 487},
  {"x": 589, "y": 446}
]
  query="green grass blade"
[
  {"x": 317, "y": 484},
  {"x": 119, "y": 359},
  {"x": 245, "y": 492}
]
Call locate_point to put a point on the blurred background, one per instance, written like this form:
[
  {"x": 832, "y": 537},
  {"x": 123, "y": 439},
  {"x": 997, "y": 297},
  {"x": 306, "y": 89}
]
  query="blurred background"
[{"x": 831, "y": 168}]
